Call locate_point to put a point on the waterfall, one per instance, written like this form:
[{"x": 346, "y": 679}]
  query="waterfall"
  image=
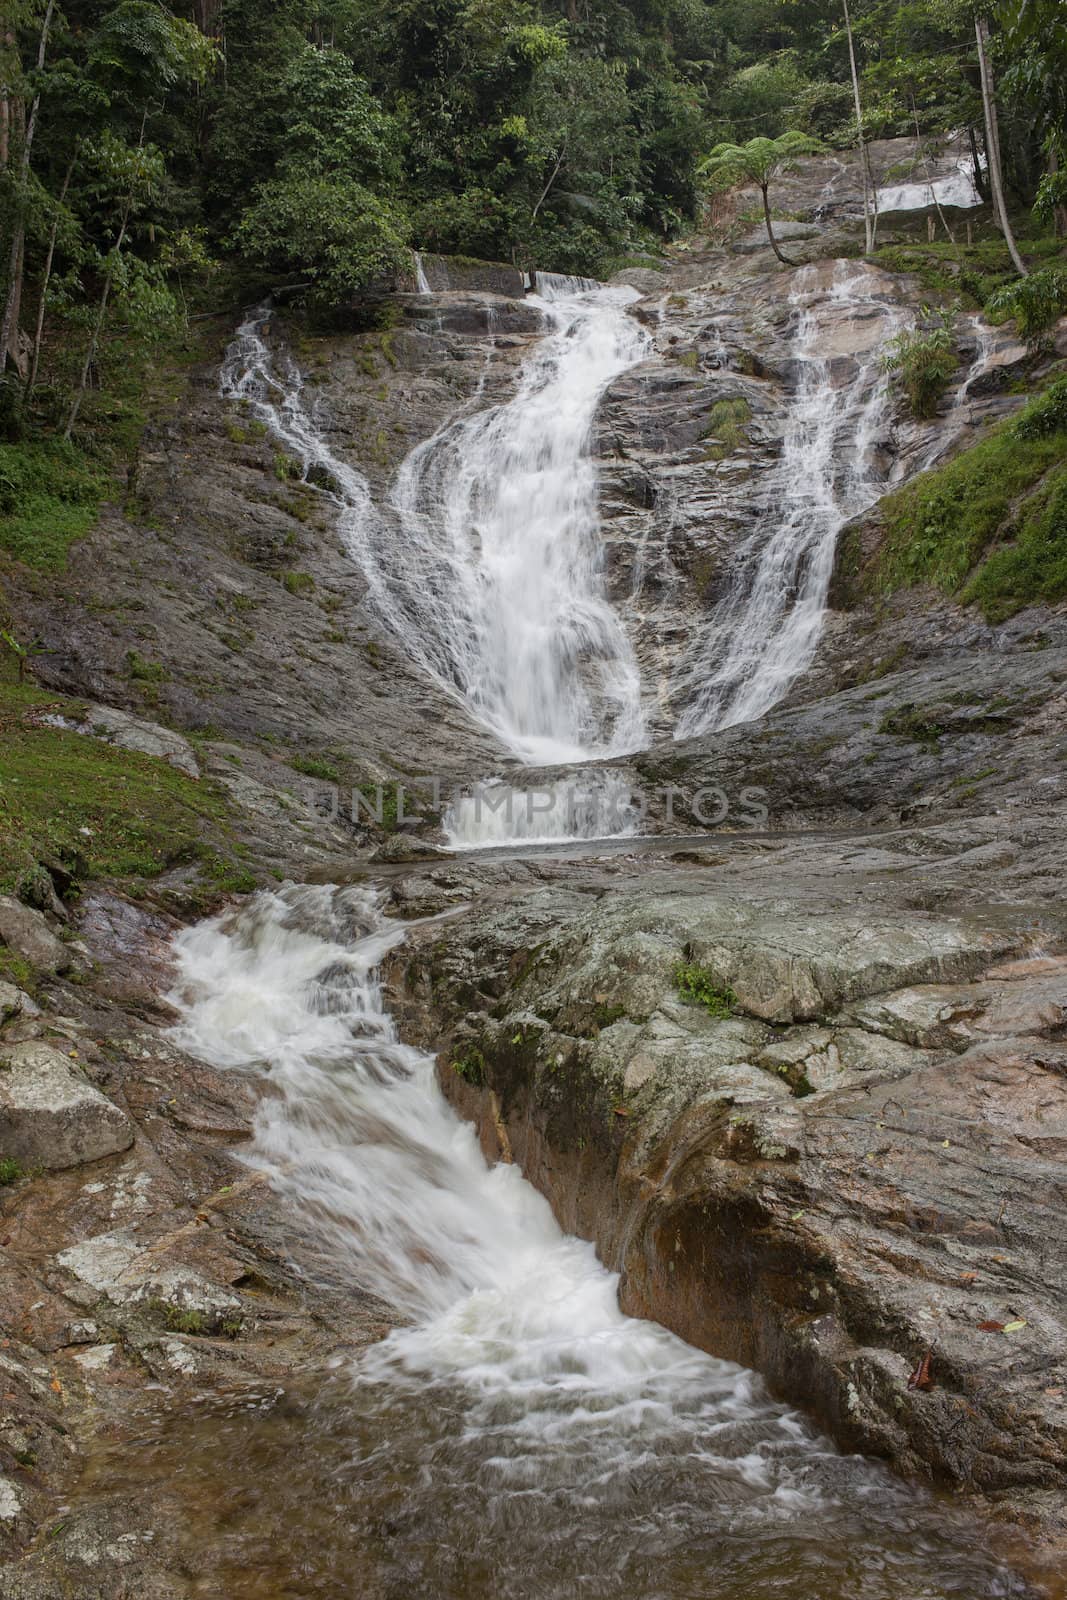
[
  {"x": 491, "y": 581},
  {"x": 762, "y": 634},
  {"x": 496, "y": 582},
  {"x": 271, "y": 386},
  {"x": 422, "y": 282},
  {"x": 518, "y": 1434}
]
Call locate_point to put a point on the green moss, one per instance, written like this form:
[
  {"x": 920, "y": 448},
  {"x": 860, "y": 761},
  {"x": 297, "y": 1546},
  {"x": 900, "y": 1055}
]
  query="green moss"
[
  {"x": 80, "y": 804},
  {"x": 697, "y": 987},
  {"x": 14, "y": 968},
  {"x": 315, "y": 767},
  {"x": 50, "y": 496},
  {"x": 941, "y": 529}
]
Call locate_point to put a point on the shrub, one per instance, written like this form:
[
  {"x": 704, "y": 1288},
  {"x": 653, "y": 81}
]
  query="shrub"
[
  {"x": 697, "y": 987},
  {"x": 1046, "y": 414},
  {"x": 924, "y": 361},
  {"x": 50, "y": 495},
  {"x": 1036, "y": 303}
]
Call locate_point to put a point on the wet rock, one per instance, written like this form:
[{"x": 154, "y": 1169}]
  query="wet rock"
[
  {"x": 14, "y": 1003},
  {"x": 26, "y": 932},
  {"x": 646, "y": 280},
  {"x": 757, "y": 240},
  {"x": 50, "y": 1115},
  {"x": 819, "y": 1173},
  {"x": 148, "y": 738}
]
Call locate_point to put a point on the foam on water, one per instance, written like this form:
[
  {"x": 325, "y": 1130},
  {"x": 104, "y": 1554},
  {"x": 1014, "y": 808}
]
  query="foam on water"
[{"x": 519, "y": 1416}]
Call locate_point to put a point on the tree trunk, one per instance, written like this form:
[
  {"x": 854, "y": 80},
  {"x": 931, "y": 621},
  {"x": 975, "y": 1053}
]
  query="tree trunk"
[
  {"x": 981, "y": 179},
  {"x": 551, "y": 181},
  {"x": 1059, "y": 212},
  {"x": 98, "y": 325},
  {"x": 992, "y": 141},
  {"x": 770, "y": 231},
  {"x": 868, "y": 229},
  {"x": 9, "y": 327},
  {"x": 39, "y": 330}
]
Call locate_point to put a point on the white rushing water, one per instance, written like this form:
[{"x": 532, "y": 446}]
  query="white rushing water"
[
  {"x": 583, "y": 805},
  {"x": 358, "y": 1138},
  {"x": 496, "y": 582},
  {"x": 519, "y": 1434},
  {"x": 763, "y": 633},
  {"x": 489, "y": 570}
]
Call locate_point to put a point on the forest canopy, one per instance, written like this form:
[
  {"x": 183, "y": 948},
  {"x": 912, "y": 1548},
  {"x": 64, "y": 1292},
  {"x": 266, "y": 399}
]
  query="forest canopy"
[{"x": 146, "y": 146}]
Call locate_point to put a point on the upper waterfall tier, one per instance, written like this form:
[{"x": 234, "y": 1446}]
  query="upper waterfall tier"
[{"x": 580, "y": 598}]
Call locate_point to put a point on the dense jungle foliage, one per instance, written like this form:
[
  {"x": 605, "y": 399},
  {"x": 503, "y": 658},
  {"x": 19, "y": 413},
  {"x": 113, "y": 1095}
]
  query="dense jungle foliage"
[{"x": 155, "y": 155}]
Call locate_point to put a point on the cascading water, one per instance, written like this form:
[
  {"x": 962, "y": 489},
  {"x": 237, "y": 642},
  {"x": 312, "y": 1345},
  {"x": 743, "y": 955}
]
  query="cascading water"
[
  {"x": 520, "y": 1435},
  {"x": 763, "y": 633},
  {"x": 496, "y": 579},
  {"x": 587, "y": 804},
  {"x": 493, "y": 584}
]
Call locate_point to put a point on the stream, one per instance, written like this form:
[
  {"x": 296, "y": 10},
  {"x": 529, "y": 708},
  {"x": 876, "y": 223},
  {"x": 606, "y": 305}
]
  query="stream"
[{"x": 516, "y": 1434}]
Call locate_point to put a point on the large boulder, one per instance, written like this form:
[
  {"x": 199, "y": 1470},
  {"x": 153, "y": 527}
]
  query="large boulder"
[
  {"x": 26, "y": 932},
  {"x": 50, "y": 1115}
]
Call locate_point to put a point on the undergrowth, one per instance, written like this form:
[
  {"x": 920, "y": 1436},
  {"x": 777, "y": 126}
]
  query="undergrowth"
[
  {"x": 698, "y": 988},
  {"x": 76, "y": 806},
  {"x": 989, "y": 527}
]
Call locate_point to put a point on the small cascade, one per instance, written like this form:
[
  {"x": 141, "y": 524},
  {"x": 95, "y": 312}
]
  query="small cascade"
[
  {"x": 518, "y": 1434},
  {"x": 585, "y": 805},
  {"x": 561, "y": 286},
  {"x": 763, "y": 633},
  {"x": 270, "y": 384},
  {"x": 422, "y": 282}
]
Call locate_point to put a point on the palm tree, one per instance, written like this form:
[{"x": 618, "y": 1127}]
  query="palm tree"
[{"x": 759, "y": 162}]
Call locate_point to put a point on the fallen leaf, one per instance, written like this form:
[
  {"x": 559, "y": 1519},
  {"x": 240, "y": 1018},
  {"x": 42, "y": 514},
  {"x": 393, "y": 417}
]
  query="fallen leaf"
[
  {"x": 1013, "y": 1327},
  {"x": 56, "y": 1386},
  {"x": 920, "y": 1378},
  {"x": 991, "y": 1327},
  {"x": 796, "y": 1216},
  {"x": 1054, "y": 1393},
  {"x": 968, "y": 1277}
]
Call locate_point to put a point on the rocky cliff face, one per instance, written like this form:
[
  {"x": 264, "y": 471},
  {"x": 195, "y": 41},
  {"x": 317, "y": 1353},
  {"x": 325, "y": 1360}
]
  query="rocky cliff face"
[{"x": 822, "y": 1140}]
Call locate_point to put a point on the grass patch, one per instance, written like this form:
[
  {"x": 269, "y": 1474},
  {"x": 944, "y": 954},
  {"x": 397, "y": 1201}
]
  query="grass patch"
[
  {"x": 972, "y": 272},
  {"x": 725, "y": 427},
  {"x": 379, "y": 802},
  {"x": 697, "y": 987},
  {"x": 88, "y": 809},
  {"x": 298, "y": 582},
  {"x": 10, "y": 1171},
  {"x": 1007, "y": 491},
  {"x": 315, "y": 767},
  {"x": 50, "y": 496},
  {"x": 912, "y": 722}
]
